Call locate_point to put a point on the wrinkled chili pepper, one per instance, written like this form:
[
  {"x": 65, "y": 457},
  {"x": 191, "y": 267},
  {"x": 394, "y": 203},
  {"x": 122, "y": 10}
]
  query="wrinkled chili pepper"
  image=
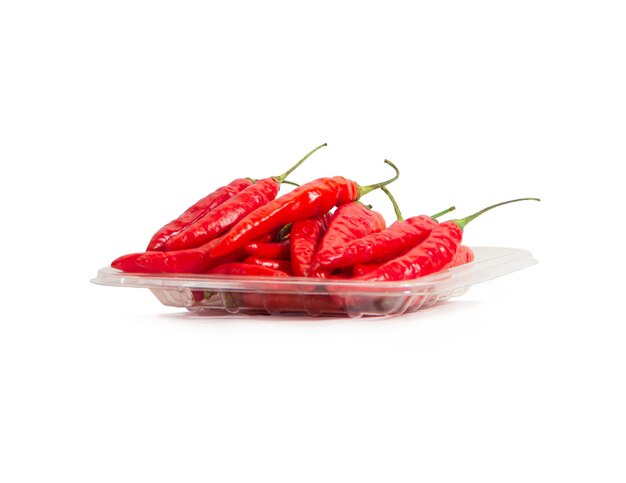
[
  {"x": 350, "y": 221},
  {"x": 381, "y": 244},
  {"x": 462, "y": 256},
  {"x": 282, "y": 265},
  {"x": 192, "y": 260},
  {"x": 226, "y": 215},
  {"x": 276, "y": 250},
  {"x": 306, "y": 201},
  {"x": 304, "y": 238},
  {"x": 197, "y": 210},
  {"x": 430, "y": 256}
]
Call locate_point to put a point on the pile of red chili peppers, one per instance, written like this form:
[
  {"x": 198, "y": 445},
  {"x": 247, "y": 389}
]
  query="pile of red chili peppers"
[{"x": 319, "y": 229}]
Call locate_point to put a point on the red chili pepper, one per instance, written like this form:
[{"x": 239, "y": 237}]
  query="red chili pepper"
[
  {"x": 277, "y": 250},
  {"x": 128, "y": 263},
  {"x": 219, "y": 220},
  {"x": 350, "y": 222},
  {"x": 383, "y": 245},
  {"x": 306, "y": 201},
  {"x": 432, "y": 254},
  {"x": 304, "y": 238},
  {"x": 192, "y": 260},
  {"x": 282, "y": 265},
  {"x": 196, "y": 211},
  {"x": 462, "y": 256},
  {"x": 235, "y": 268}
]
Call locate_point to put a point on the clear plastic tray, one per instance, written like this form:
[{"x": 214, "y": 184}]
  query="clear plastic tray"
[{"x": 212, "y": 294}]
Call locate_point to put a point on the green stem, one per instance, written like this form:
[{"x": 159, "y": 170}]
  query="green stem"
[
  {"x": 396, "y": 208},
  {"x": 291, "y": 183},
  {"x": 441, "y": 213},
  {"x": 464, "y": 221},
  {"x": 283, "y": 176},
  {"x": 284, "y": 232},
  {"x": 363, "y": 190}
]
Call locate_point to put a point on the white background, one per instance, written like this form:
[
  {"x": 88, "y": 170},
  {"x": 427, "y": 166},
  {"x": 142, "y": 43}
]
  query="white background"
[{"x": 115, "y": 116}]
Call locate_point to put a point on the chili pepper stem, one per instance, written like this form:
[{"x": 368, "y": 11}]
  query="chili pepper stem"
[
  {"x": 281, "y": 178},
  {"x": 441, "y": 213},
  {"x": 464, "y": 221},
  {"x": 363, "y": 190},
  {"x": 396, "y": 208}
]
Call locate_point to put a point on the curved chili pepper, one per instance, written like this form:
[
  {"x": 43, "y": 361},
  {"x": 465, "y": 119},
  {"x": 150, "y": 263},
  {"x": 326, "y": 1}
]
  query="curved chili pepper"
[
  {"x": 434, "y": 253},
  {"x": 276, "y": 250},
  {"x": 197, "y": 210},
  {"x": 128, "y": 263},
  {"x": 224, "y": 216},
  {"x": 306, "y": 201},
  {"x": 304, "y": 238},
  {"x": 380, "y": 245},
  {"x": 236, "y": 268},
  {"x": 463, "y": 255},
  {"x": 282, "y": 265},
  {"x": 217, "y": 221},
  {"x": 350, "y": 222},
  {"x": 191, "y": 260}
]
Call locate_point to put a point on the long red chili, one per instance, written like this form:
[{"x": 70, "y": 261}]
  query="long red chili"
[
  {"x": 437, "y": 250},
  {"x": 219, "y": 220},
  {"x": 191, "y": 260},
  {"x": 304, "y": 238},
  {"x": 380, "y": 245},
  {"x": 197, "y": 210},
  {"x": 306, "y": 201},
  {"x": 350, "y": 221},
  {"x": 463, "y": 255}
]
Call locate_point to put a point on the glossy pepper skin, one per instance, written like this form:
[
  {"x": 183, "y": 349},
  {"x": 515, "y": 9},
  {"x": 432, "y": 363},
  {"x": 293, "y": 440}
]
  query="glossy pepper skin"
[
  {"x": 276, "y": 250},
  {"x": 304, "y": 237},
  {"x": 192, "y": 260},
  {"x": 197, "y": 210},
  {"x": 462, "y": 256},
  {"x": 282, "y": 265},
  {"x": 389, "y": 243},
  {"x": 430, "y": 256},
  {"x": 310, "y": 199},
  {"x": 350, "y": 221},
  {"x": 219, "y": 220}
]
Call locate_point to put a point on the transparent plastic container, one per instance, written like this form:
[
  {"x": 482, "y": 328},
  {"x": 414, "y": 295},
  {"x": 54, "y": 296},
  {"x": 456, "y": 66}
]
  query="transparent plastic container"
[{"x": 218, "y": 294}]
